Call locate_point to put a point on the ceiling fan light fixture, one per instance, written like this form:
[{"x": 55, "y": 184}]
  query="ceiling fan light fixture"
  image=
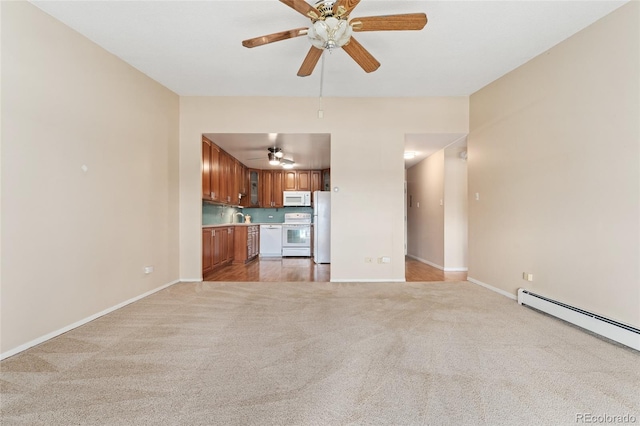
[
  {"x": 273, "y": 160},
  {"x": 329, "y": 33},
  {"x": 275, "y": 154}
]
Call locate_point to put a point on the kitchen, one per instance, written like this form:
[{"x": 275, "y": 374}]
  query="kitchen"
[{"x": 261, "y": 196}]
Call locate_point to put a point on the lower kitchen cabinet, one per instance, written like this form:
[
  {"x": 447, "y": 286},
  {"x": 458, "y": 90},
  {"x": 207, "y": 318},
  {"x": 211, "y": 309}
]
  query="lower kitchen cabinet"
[
  {"x": 217, "y": 248},
  {"x": 247, "y": 243},
  {"x": 207, "y": 250}
]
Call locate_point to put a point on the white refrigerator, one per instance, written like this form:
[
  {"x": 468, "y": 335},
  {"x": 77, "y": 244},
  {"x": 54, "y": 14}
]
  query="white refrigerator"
[{"x": 322, "y": 227}]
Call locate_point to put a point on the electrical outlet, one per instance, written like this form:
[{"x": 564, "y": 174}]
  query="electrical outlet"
[
  {"x": 148, "y": 269},
  {"x": 368, "y": 260},
  {"x": 527, "y": 276},
  {"x": 384, "y": 259}
]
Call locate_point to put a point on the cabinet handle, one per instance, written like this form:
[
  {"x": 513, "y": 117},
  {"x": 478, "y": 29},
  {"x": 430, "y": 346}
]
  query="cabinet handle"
[{"x": 213, "y": 195}]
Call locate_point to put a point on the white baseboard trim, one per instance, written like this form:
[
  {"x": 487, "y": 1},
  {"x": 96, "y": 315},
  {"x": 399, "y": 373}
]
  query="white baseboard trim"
[
  {"x": 190, "y": 280},
  {"x": 76, "y": 324},
  {"x": 369, "y": 281},
  {"x": 492, "y": 288},
  {"x": 442, "y": 268},
  {"x": 456, "y": 269},
  {"x": 419, "y": 259}
]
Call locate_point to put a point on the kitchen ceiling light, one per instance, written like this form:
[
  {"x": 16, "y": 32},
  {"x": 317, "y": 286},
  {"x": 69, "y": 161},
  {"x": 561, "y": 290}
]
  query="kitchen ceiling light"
[
  {"x": 408, "y": 155},
  {"x": 273, "y": 160}
]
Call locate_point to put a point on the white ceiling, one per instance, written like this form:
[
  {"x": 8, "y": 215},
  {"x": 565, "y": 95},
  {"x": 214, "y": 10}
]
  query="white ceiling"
[{"x": 194, "y": 47}]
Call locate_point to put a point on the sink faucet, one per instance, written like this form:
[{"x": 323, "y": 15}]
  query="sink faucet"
[{"x": 241, "y": 214}]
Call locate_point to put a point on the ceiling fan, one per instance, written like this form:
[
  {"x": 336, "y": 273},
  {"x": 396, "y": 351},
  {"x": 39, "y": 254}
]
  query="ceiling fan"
[
  {"x": 331, "y": 28},
  {"x": 276, "y": 158}
]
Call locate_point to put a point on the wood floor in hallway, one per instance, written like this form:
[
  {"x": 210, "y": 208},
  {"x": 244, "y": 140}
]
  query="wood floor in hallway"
[{"x": 292, "y": 269}]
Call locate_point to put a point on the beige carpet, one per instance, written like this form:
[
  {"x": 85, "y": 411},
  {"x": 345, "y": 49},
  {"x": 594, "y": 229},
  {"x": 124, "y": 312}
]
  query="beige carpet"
[{"x": 321, "y": 354}]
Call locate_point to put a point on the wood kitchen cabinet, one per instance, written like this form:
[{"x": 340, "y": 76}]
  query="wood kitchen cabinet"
[
  {"x": 278, "y": 187},
  {"x": 226, "y": 245},
  {"x": 303, "y": 180},
  {"x": 223, "y": 176},
  {"x": 247, "y": 243},
  {"x": 206, "y": 168},
  {"x": 271, "y": 187},
  {"x": 254, "y": 191},
  {"x": 234, "y": 181},
  {"x": 217, "y": 248},
  {"x": 242, "y": 177},
  {"x": 316, "y": 180},
  {"x": 266, "y": 188},
  {"x": 210, "y": 171},
  {"x": 207, "y": 251},
  {"x": 290, "y": 180},
  {"x": 297, "y": 180}
]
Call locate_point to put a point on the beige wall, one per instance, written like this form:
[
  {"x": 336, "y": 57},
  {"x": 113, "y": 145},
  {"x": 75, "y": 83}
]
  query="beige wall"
[
  {"x": 554, "y": 153},
  {"x": 455, "y": 207},
  {"x": 367, "y": 142},
  {"x": 75, "y": 243}
]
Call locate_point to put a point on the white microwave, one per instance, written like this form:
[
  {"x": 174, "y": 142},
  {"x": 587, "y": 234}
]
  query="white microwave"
[{"x": 297, "y": 198}]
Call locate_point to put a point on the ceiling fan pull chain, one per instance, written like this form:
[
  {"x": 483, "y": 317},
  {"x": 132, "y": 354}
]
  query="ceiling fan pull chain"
[{"x": 320, "y": 111}]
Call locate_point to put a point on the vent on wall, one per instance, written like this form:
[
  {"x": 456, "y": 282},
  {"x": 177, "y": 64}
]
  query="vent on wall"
[{"x": 621, "y": 333}]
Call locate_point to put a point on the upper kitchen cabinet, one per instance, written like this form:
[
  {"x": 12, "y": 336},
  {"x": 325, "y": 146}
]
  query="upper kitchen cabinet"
[
  {"x": 253, "y": 196},
  {"x": 222, "y": 176},
  {"x": 304, "y": 180},
  {"x": 234, "y": 178},
  {"x": 210, "y": 171},
  {"x": 266, "y": 188},
  {"x": 215, "y": 173},
  {"x": 271, "y": 187},
  {"x": 278, "y": 187},
  {"x": 242, "y": 179},
  {"x": 316, "y": 180},
  {"x": 206, "y": 168},
  {"x": 290, "y": 180},
  {"x": 297, "y": 180}
]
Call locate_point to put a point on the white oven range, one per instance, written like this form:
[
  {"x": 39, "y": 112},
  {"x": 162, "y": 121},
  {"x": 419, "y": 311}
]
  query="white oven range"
[{"x": 296, "y": 235}]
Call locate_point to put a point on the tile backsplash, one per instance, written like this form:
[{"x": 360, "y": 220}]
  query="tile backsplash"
[
  {"x": 273, "y": 215},
  {"x": 213, "y": 214}
]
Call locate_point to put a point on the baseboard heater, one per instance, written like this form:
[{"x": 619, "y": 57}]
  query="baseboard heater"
[{"x": 619, "y": 332}]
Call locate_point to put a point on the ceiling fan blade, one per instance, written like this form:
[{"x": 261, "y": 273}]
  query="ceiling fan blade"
[
  {"x": 361, "y": 55},
  {"x": 266, "y": 39},
  {"x": 409, "y": 21},
  {"x": 303, "y": 7},
  {"x": 348, "y": 6},
  {"x": 310, "y": 62}
]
